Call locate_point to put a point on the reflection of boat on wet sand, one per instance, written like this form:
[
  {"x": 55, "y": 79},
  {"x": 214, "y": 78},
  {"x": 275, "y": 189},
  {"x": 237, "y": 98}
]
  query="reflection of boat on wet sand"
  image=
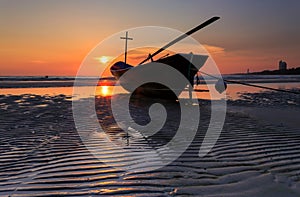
[{"x": 187, "y": 64}]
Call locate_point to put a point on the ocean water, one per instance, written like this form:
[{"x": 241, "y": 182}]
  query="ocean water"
[{"x": 56, "y": 85}]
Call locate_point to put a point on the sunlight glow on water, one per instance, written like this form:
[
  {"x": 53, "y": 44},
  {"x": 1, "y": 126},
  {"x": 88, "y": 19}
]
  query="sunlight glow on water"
[{"x": 233, "y": 91}]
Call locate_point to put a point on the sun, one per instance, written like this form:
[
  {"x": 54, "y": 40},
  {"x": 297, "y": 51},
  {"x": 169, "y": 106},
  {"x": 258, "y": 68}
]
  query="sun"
[{"x": 103, "y": 59}]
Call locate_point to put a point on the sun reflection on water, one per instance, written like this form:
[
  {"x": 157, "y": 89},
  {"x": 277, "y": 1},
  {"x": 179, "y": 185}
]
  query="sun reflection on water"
[{"x": 104, "y": 91}]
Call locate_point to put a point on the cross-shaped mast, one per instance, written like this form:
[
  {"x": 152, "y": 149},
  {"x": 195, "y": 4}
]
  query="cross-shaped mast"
[{"x": 126, "y": 38}]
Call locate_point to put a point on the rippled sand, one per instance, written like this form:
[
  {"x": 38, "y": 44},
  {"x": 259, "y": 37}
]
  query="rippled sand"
[{"x": 41, "y": 154}]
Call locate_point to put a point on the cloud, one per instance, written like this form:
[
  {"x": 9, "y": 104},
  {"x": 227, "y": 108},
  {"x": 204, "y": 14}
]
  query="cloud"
[{"x": 214, "y": 49}]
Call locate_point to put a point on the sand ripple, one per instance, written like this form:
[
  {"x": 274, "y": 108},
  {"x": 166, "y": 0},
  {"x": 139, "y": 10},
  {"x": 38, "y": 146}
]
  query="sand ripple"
[{"x": 41, "y": 154}]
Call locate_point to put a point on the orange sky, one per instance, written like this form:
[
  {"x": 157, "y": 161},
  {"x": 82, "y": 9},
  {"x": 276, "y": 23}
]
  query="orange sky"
[{"x": 53, "y": 37}]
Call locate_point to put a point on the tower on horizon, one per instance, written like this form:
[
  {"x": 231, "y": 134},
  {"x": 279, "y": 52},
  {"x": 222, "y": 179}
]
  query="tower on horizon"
[{"x": 282, "y": 65}]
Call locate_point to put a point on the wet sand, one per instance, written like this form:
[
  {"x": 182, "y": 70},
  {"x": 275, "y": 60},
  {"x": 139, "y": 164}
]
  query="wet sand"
[{"x": 41, "y": 153}]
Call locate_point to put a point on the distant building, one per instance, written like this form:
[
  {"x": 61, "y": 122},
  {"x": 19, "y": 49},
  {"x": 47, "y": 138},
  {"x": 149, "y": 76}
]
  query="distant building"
[{"x": 282, "y": 65}]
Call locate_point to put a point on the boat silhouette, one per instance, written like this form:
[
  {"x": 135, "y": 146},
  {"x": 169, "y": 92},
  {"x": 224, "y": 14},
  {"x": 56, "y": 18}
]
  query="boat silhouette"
[{"x": 187, "y": 64}]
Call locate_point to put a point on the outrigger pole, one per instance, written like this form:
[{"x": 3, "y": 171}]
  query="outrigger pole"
[
  {"x": 190, "y": 32},
  {"x": 249, "y": 84}
]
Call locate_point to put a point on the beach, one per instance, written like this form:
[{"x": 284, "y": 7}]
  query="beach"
[
  {"x": 145, "y": 98},
  {"x": 42, "y": 154}
]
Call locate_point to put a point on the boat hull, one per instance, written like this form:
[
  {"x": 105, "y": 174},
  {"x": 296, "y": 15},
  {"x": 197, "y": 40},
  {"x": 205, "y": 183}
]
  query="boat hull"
[{"x": 139, "y": 74}]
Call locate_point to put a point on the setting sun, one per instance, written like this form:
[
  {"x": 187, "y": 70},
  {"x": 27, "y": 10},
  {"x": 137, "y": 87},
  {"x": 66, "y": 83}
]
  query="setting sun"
[{"x": 104, "y": 59}]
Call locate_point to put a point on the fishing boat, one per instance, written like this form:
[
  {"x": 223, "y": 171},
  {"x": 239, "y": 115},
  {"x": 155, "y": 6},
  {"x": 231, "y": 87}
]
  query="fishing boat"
[
  {"x": 187, "y": 64},
  {"x": 180, "y": 62}
]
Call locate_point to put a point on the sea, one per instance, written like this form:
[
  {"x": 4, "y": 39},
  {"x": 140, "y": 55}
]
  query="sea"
[{"x": 58, "y": 85}]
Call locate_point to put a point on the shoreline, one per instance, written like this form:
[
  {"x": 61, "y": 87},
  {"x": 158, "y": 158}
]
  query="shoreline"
[
  {"x": 42, "y": 82},
  {"x": 51, "y": 84}
]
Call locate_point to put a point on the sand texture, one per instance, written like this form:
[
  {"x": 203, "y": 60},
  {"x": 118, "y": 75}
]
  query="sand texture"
[{"x": 41, "y": 153}]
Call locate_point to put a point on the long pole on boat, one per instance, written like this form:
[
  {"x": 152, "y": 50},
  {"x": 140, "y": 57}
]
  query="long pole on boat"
[
  {"x": 126, "y": 38},
  {"x": 249, "y": 84},
  {"x": 190, "y": 32}
]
